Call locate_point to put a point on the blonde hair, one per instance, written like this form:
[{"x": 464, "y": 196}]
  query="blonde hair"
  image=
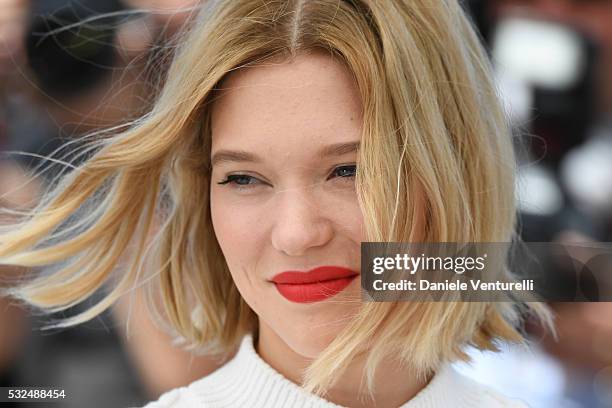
[{"x": 436, "y": 164}]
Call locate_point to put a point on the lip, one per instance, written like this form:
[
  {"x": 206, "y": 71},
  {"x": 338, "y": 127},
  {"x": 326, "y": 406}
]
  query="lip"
[{"x": 314, "y": 285}]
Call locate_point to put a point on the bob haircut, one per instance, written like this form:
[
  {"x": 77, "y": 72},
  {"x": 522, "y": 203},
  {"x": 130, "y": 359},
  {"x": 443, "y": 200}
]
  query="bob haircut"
[{"x": 436, "y": 164}]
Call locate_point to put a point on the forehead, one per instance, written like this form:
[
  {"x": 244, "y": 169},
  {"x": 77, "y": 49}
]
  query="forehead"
[{"x": 311, "y": 98}]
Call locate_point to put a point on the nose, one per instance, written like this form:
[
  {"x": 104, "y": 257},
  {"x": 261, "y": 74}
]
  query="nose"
[{"x": 300, "y": 223}]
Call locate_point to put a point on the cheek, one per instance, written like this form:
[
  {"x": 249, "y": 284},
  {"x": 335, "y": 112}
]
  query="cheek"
[
  {"x": 347, "y": 215},
  {"x": 348, "y": 223},
  {"x": 238, "y": 227},
  {"x": 355, "y": 228}
]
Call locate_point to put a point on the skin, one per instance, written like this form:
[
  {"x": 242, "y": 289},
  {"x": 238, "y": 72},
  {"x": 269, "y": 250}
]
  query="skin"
[{"x": 295, "y": 210}]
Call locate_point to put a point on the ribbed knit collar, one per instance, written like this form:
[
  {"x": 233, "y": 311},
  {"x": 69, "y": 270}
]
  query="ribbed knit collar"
[{"x": 248, "y": 381}]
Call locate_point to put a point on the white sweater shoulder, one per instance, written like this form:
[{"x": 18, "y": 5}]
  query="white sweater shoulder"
[
  {"x": 248, "y": 381},
  {"x": 176, "y": 398}
]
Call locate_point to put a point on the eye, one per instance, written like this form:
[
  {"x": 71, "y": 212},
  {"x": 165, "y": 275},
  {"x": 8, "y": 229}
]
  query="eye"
[
  {"x": 240, "y": 180},
  {"x": 344, "y": 171}
]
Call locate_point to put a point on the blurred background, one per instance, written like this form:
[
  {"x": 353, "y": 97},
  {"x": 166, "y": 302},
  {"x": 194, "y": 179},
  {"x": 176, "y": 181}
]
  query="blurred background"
[
  {"x": 553, "y": 66},
  {"x": 68, "y": 68}
]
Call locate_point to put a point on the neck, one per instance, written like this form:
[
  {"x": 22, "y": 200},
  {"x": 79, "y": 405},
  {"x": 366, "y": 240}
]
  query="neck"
[{"x": 393, "y": 385}]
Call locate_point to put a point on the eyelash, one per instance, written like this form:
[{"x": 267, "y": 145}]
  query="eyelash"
[{"x": 233, "y": 178}]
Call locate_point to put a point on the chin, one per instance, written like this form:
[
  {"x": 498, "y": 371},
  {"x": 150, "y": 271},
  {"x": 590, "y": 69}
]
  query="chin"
[{"x": 313, "y": 344}]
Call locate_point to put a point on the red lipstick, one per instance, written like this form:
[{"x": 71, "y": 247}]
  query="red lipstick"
[{"x": 314, "y": 285}]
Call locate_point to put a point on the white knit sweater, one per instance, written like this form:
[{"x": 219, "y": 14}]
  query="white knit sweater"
[{"x": 247, "y": 381}]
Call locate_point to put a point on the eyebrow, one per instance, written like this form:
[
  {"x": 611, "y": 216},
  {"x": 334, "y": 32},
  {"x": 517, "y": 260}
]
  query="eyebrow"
[{"x": 241, "y": 156}]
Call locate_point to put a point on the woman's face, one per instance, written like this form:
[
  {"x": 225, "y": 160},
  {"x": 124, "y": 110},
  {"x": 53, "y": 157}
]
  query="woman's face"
[{"x": 284, "y": 148}]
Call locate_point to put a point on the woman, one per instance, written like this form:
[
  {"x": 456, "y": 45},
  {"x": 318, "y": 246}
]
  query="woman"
[{"x": 247, "y": 169}]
